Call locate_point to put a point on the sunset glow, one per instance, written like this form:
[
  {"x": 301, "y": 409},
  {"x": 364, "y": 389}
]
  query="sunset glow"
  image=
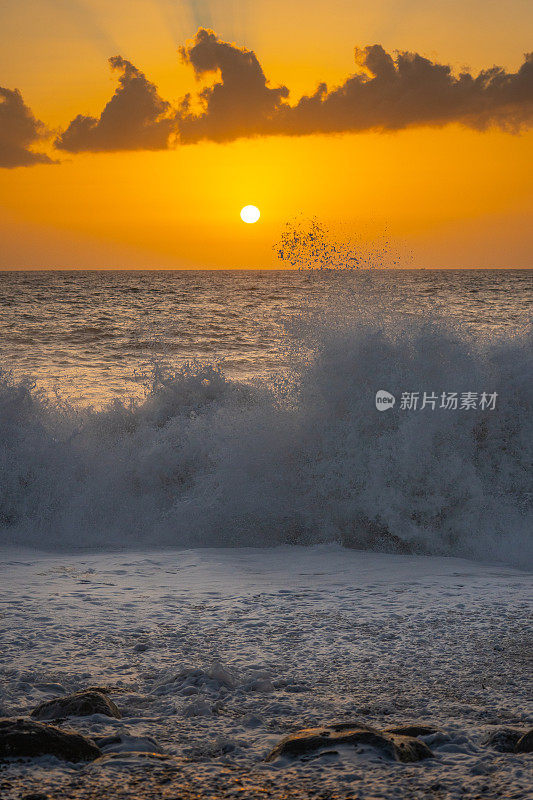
[{"x": 156, "y": 129}]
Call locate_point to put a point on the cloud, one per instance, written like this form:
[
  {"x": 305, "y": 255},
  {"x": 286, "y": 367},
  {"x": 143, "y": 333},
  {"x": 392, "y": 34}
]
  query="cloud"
[
  {"x": 386, "y": 93},
  {"x": 240, "y": 104},
  {"x": 136, "y": 118},
  {"x": 392, "y": 93},
  {"x": 19, "y": 130}
]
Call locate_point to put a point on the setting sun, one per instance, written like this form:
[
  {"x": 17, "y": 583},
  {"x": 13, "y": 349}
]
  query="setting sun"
[{"x": 250, "y": 214}]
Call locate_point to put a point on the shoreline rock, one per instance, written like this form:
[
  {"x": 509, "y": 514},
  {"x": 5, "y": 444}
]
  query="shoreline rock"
[
  {"x": 308, "y": 740},
  {"x": 22, "y": 738},
  {"x": 79, "y": 704},
  {"x": 511, "y": 740}
]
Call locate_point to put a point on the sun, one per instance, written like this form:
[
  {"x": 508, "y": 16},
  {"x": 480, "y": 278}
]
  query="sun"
[{"x": 250, "y": 214}]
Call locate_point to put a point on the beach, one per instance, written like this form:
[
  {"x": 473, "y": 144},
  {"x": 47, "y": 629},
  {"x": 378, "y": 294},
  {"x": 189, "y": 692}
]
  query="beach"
[{"x": 213, "y": 656}]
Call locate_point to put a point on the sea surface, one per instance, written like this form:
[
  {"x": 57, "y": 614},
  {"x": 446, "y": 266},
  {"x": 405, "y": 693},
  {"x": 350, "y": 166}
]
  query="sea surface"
[
  {"x": 215, "y": 409},
  {"x": 91, "y": 336}
]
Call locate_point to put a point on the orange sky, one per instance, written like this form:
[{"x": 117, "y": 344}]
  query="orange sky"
[{"x": 450, "y": 196}]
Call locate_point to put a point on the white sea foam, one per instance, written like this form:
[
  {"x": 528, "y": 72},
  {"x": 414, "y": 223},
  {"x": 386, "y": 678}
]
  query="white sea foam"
[{"x": 207, "y": 461}]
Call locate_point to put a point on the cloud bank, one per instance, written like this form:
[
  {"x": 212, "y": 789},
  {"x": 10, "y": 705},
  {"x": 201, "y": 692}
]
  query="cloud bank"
[
  {"x": 240, "y": 104},
  {"x": 19, "y": 130},
  {"x": 385, "y": 93},
  {"x": 392, "y": 93},
  {"x": 136, "y": 118}
]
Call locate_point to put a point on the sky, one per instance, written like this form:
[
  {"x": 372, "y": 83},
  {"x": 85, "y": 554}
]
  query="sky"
[{"x": 132, "y": 132}]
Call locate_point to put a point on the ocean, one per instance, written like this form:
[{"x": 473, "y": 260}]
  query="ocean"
[
  {"x": 88, "y": 335},
  {"x": 238, "y": 408}
]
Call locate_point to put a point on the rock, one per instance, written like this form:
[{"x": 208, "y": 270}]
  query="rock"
[
  {"x": 79, "y": 704},
  {"x": 308, "y": 740},
  {"x": 408, "y": 748},
  {"x": 509, "y": 740},
  {"x": 525, "y": 743},
  {"x": 412, "y": 730},
  {"x": 21, "y": 738},
  {"x": 505, "y": 739}
]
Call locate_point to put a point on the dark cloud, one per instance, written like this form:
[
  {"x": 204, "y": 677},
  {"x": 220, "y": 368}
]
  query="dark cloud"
[
  {"x": 393, "y": 93},
  {"x": 136, "y": 118},
  {"x": 240, "y": 104},
  {"x": 386, "y": 93},
  {"x": 19, "y": 130}
]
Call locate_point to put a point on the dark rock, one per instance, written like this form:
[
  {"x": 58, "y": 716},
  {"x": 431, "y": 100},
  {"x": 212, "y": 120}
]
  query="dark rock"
[
  {"x": 412, "y": 730},
  {"x": 400, "y": 748},
  {"x": 525, "y": 743},
  {"x": 311, "y": 739},
  {"x": 79, "y": 704},
  {"x": 22, "y": 738},
  {"x": 504, "y": 739},
  {"x": 408, "y": 748}
]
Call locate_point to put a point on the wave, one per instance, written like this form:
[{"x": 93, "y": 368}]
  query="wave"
[{"x": 204, "y": 460}]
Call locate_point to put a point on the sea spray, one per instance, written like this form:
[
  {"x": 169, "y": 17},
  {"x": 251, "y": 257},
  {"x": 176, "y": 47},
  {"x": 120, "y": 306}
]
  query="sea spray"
[
  {"x": 208, "y": 461},
  {"x": 309, "y": 243}
]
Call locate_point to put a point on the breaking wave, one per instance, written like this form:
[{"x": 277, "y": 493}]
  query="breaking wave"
[{"x": 204, "y": 460}]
